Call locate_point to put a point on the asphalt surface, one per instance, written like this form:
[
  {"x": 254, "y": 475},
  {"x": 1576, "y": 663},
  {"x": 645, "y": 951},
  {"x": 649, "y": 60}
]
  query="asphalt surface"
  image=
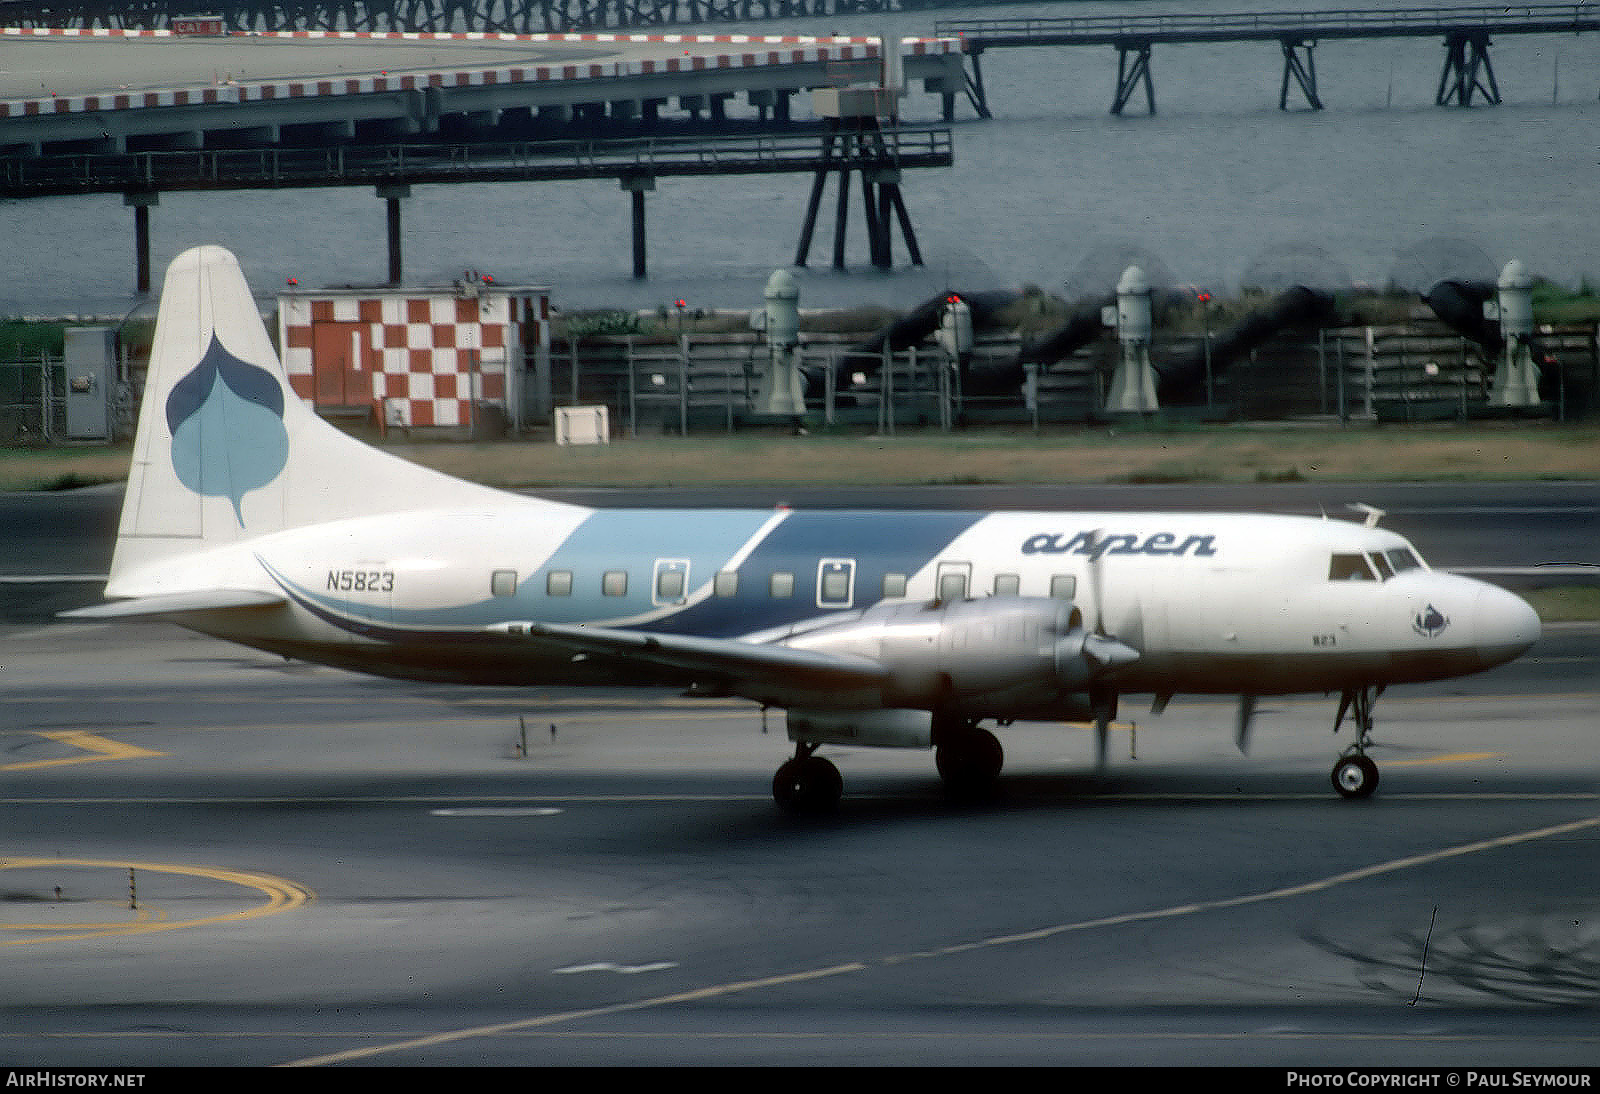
[
  {"x": 212, "y": 856},
  {"x": 217, "y": 857}
]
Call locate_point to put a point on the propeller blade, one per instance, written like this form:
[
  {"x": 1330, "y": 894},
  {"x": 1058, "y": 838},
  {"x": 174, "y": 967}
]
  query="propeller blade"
[
  {"x": 1241, "y": 729},
  {"x": 1104, "y": 703},
  {"x": 1095, "y": 601}
]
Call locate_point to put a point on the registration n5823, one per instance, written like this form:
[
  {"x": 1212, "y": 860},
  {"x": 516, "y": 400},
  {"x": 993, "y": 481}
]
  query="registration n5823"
[{"x": 361, "y": 581}]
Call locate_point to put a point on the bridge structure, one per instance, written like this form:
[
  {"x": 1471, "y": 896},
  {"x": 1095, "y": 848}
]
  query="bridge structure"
[
  {"x": 142, "y": 112},
  {"x": 509, "y": 16},
  {"x": 877, "y": 154},
  {"x": 1467, "y": 73}
]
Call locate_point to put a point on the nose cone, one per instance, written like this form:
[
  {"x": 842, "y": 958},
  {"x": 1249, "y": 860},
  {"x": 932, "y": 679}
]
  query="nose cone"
[
  {"x": 1505, "y": 626},
  {"x": 1108, "y": 653}
]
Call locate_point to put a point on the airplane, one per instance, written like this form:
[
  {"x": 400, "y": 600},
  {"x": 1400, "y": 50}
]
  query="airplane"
[{"x": 249, "y": 518}]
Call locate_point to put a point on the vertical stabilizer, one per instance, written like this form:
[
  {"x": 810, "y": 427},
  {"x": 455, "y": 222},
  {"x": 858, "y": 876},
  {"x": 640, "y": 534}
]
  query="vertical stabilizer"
[{"x": 226, "y": 451}]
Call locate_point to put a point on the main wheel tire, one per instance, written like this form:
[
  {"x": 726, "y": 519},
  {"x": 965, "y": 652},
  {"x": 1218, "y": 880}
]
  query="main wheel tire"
[
  {"x": 809, "y": 785},
  {"x": 1355, "y": 777},
  {"x": 970, "y": 763}
]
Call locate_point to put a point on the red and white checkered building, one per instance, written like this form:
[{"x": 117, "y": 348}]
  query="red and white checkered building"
[{"x": 420, "y": 358}]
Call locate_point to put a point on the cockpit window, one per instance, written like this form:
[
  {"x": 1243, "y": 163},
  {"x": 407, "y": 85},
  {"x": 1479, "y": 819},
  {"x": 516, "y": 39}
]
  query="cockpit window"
[
  {"x": 1349, "y": 568},
  {"x": 1382, "y": 566},
  {"x": 1403, "y": 559}
]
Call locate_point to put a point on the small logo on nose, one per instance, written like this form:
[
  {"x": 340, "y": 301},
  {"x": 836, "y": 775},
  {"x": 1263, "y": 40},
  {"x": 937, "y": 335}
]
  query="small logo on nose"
[{"x": 1430, "y": 622}]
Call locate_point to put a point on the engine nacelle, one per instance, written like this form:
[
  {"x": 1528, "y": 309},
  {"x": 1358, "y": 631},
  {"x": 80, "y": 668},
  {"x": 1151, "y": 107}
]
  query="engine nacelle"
[
  {"x": 872, "y": 728},
  {"x": 999, "y": 657}
]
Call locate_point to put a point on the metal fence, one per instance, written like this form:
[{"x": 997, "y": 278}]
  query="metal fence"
[
  {"x": 33, "y": 401},
  {"x": 697, "y": 383},
  {"x": 34, "y": 407},
  {"x": 1413, "y": 372}
]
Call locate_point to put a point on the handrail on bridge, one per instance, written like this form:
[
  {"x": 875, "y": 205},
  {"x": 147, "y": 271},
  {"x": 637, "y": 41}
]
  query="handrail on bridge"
[
  {"x": 1349, "y": 22},
  {"x": 21, "y": 176}
]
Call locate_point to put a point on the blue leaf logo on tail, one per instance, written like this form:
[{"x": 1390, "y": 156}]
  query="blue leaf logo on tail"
[{"x": 226, "y": 420}]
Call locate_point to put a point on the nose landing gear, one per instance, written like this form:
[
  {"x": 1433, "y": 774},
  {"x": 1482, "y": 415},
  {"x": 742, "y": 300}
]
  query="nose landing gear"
[{"x": 1355, "y": 775}]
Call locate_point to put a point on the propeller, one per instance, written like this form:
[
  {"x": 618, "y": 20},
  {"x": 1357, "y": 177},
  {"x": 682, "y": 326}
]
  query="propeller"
[
  {"x": 1241, "y": 726},
  {"x": 1103, "y": 713},
  {"x": 1107, "y": 651},
  {"x": 1095, "y": 600}
]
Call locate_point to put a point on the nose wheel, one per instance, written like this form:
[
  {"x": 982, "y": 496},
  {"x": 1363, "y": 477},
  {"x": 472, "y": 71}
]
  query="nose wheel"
[{"x": 1355, "y": 775}]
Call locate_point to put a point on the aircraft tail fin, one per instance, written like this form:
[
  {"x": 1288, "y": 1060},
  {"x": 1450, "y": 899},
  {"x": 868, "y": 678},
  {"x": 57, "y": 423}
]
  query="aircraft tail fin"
[{"x": 226, "y": 451}]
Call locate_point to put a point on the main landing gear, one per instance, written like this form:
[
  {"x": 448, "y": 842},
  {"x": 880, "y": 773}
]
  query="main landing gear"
[
  {"x": 969, "y": 758},
  {"x": 1355, "y": 775},
  {"x": 807, "y": 783}
]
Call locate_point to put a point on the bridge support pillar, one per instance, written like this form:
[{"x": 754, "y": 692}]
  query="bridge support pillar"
[
  {"x": 637, "y": 186},
  {"x": 392, "y": 194},
  {"x": 1466, "y": 67},
  {"x": 860, "y": 149},
  {"x": 141, "y": 202},
  {"x": 975, "y": 92},
  {"x": 1301, "y": 63},
  {"x": 1133, "y": 69}
]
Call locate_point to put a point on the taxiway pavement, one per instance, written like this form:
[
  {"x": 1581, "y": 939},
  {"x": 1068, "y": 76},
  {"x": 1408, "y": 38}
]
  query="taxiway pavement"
[{"x": 214, "y": 856}]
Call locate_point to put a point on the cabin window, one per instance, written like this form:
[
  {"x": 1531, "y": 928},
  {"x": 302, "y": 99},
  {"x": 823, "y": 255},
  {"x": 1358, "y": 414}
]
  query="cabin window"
[
  {"x": 781, "y": 587},
  {"x": 726, "y": 583},
  {"x": 955, "y": 578},
  {"x": 1402, "y": 559},
  {"x": 1349, "y": 568},
  {"x": 669, "y": 585},
  {"x": 614, "y": 583},
  {"x": 1007, "y": 584},
  {"x": 503, "y": 583},
  {"x": 894, "y": 586},
  {"x": 835, "y": 581},
  {"x": 558, "y": 583},
  {"x": 1063, "y": 586}
]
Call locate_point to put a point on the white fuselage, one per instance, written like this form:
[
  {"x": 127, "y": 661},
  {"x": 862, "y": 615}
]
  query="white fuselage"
[{"x": 1221, "y": 603}]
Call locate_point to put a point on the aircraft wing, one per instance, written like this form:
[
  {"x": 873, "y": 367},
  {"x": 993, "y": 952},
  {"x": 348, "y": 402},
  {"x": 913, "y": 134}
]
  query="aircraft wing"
[
  {"x": 751, "y": 666},
  {"x": 168, "y": 604}
]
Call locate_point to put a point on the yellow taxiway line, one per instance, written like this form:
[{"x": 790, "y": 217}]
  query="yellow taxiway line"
[
  {"x": 98, "y": 748},
  {"x": 281, "y": 896}
]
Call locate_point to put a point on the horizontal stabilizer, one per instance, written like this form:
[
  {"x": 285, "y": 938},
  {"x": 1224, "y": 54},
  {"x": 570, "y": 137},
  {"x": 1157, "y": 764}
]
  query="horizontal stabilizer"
[{"x": 166, "y": 604}]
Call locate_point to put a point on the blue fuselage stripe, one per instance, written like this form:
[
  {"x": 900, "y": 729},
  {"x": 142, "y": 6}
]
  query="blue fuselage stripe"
[{"x": 878, "y": 543}]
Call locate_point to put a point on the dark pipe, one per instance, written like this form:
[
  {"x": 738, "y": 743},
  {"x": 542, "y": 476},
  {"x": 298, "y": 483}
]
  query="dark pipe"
[
  {"x": 1084, "y": 327},
  {"x": 911, "y": 329},
  {"x": 1459, "y": 306},
  {"x": 1183, "y": 374}
]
